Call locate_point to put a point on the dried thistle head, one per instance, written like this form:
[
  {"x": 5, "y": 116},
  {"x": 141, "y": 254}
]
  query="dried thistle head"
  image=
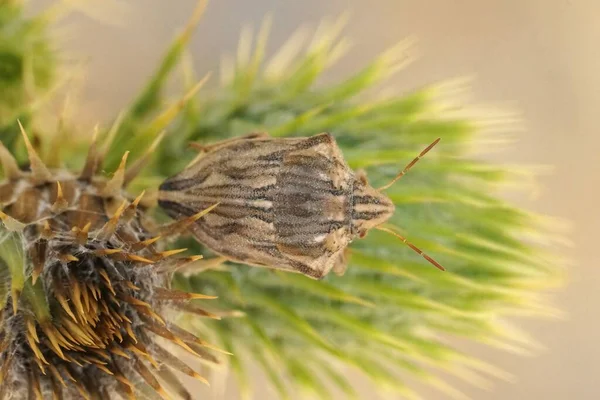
[{"x": 84, "y": 286}]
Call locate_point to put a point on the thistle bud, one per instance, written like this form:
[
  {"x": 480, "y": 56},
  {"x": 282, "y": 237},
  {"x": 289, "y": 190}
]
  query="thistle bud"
[{"x": 84, "y": 288}]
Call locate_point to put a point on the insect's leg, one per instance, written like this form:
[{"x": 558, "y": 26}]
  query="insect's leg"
[
  {"x": 204, "y": 265},
  {"x": 361, "y": 175},
  {"x": 205, "y": 148},
  {"x": 341, "y": 263}
]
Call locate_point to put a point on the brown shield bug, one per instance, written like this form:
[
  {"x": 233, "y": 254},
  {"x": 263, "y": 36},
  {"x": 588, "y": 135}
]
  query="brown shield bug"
[{"x": 285, "y": 203}]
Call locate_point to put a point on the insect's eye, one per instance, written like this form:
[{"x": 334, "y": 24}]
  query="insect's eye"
[{"x": 362, "y": 234}]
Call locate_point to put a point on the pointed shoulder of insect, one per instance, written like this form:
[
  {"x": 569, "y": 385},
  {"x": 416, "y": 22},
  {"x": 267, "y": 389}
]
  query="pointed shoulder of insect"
[
  {"x": 325, "y": 139},
  {"x": 206, "y": 148},
  {"x": 324, "y": 144},
  {"x": 317, "y": 265}
]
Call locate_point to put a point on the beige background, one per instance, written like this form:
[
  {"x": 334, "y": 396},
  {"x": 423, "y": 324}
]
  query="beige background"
[{"x": 542, "y": 56}]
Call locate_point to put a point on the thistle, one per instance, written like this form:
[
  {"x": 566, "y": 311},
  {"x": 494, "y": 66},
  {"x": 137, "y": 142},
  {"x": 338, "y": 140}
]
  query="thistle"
[
  {"x": 84, "y": 286},
  {"x": 86, "y": 266},
  {"x": 390, "y": 316}
]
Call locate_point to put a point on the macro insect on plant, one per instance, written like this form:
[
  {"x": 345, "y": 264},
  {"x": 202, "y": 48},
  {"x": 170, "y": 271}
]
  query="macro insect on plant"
[
  {"x": 291, "y": 204},
  {"x": 89, "y": 289}
]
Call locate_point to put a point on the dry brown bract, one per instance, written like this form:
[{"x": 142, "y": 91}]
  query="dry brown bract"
[{"x": 82, "y": 314}]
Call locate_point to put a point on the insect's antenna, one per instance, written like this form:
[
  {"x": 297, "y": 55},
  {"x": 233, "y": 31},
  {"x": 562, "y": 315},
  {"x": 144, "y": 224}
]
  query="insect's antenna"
[
  {"x": 412, "y": 246},
  {"x": 409, "y": 166}
]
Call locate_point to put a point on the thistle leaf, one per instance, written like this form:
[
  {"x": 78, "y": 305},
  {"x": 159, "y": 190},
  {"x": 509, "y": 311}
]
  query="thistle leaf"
[{"x": 450, "y": 205}]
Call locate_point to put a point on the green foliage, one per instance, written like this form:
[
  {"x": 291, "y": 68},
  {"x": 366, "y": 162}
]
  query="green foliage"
[
  {"x": 27, "y": 65},
  {"x": 392, "y": 314},
  {"x": 141, "y": 122}
]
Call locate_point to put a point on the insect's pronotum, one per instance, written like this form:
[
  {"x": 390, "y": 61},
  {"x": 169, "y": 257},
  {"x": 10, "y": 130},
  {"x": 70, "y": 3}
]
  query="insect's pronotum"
[{"x": 291, "y": 204}]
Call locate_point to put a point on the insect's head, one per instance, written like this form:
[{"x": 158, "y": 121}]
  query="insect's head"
[{"x": 370, "y": 207}]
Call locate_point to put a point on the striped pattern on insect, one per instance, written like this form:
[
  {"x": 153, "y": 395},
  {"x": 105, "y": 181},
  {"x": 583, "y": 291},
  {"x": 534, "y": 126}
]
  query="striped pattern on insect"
[{"x": 285, "y": 203}]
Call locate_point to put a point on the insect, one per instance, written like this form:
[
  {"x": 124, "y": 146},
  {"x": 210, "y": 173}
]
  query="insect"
[{"x": 283, "y": 203}]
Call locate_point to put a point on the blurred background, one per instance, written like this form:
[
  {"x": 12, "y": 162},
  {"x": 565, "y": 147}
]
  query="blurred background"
[{"x": 539, "y": 57}]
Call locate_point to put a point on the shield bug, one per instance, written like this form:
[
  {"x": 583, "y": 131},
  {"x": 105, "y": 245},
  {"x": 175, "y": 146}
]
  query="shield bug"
[{"x": 283, "y": 203}]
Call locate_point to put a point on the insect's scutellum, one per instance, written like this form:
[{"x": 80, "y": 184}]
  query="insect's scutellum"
[{"x": 291, "y": 203}]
